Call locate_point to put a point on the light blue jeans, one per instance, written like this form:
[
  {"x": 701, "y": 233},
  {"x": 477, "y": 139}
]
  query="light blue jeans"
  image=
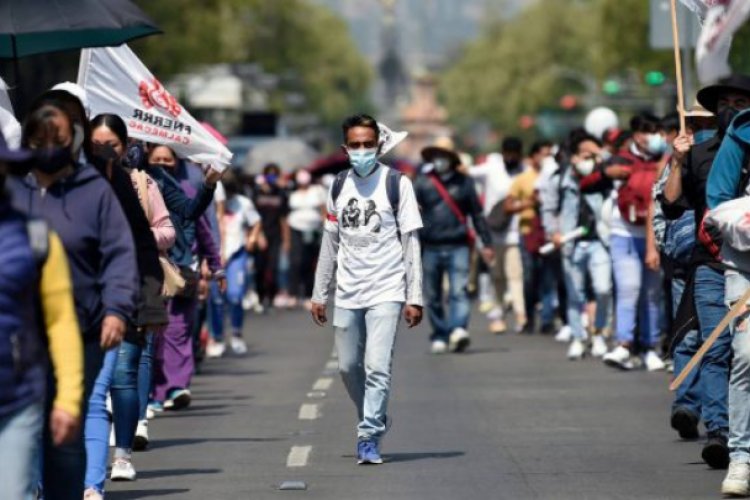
[
  {"x": 637, "y": 294},
  {"x": 365, "y": 339},
  {"x": 20, "y": 442},
  {"x": 739, "y": 377},
  {"x": 588, "y": 257},
  {"x": 96, "y": 425}
]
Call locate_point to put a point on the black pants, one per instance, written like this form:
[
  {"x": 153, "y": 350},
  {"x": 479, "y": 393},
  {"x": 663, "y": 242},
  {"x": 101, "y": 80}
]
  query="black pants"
[
  {"x": 267, "y": 265},
  {"x": 305, "y": 248},
  {"x": 64, "y": 467}
]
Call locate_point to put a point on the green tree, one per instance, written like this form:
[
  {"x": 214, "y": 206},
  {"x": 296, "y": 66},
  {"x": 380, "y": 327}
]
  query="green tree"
[{"x": 305, "y": 44}]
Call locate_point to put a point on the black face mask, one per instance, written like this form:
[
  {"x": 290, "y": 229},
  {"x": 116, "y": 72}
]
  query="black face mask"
[
  {"x": 52, "y": 160},
  {"x": 724, "y": 118},
  {"x": 103, "y": 155}
]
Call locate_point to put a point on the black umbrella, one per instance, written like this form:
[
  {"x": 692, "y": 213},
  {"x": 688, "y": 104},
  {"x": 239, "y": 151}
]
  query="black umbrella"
[{"x": 30, "y": 27}]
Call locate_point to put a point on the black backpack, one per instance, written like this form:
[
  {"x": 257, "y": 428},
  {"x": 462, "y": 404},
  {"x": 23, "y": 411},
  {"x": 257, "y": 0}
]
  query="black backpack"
[{"x": 392, "y": 188}]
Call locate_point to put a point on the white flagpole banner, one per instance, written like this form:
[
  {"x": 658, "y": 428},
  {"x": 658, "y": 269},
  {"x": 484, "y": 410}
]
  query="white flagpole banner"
[
  {"x": 720, "y": 19},
  {"x": 9, "y": 126},
  {"x": 389, "y": 139},
  {"x": 117, "y": 82}
]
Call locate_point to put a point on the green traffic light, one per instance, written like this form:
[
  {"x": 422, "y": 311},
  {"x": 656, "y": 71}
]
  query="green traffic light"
[
  {"x": 655, "y": 78},
  {"x": 611, "y": 87}
]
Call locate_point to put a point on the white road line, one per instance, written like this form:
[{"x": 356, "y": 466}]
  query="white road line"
[
  {"x": 323, "y": 384},
  {"x": 309, "y": 411},
  {"x": 298, "y": 456},
  {"x": 332, "y": 365}
]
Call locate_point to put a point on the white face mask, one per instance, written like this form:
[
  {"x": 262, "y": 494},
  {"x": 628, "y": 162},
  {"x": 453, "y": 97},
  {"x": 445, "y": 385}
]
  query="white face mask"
[{"x": 585, "y": 167}]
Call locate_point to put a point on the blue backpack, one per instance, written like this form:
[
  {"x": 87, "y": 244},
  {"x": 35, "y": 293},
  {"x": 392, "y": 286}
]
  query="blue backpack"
[{"x": 679, "y": 238}]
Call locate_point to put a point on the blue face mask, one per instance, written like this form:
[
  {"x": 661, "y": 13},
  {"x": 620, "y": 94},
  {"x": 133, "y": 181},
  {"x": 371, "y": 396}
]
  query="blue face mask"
[
  {"x": 363, "y": 161},
  {"x": 271, "y": 179},
  {"x": 657, "y": 145},
  {"x": 703, "y": 135}
]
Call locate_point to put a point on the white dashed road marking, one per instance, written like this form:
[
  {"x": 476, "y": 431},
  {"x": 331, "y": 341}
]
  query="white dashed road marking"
[
  {"x": 309, "y": 411},
  {"x": 298, "y": 456},
  {"x": 323, "y": 384}
]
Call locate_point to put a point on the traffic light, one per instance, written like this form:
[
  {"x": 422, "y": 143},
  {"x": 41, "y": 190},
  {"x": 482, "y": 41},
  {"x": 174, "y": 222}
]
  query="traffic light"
[
  {"x": 655, "y": 78},
  {"x": 612, "y": 87}
]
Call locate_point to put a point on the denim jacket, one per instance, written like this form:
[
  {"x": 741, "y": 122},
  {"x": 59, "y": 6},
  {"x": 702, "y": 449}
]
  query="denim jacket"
[{"x": 562, "y": 216}]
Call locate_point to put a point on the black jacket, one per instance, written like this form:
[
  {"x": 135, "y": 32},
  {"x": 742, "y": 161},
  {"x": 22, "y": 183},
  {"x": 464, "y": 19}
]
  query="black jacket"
[{"x": 441, "y": 226}]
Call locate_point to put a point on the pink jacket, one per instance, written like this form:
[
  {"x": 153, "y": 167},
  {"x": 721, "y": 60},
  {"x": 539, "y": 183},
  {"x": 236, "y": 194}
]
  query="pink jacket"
[{"x": 161, "y": 224}]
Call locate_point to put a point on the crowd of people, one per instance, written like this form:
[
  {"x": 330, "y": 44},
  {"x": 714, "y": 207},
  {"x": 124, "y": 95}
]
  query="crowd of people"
[{"x": 122, "y": 262}]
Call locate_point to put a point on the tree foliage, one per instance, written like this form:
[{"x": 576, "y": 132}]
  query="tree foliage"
[
  {"x": 305, "y": 44},
  {"x": 552, "y": 48}
]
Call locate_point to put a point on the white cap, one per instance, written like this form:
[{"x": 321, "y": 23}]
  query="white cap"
[{"x": 77, "y": 91}]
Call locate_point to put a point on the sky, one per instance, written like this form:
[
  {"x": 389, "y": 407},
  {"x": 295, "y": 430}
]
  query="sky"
[{"x": 429, "y": 32}]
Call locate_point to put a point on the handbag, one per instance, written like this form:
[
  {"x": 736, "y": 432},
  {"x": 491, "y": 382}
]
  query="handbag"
[
  {"x": 471, "y": 235},
  {"x": 174, "y": 283},
  {"x": 498, "y": 219}
]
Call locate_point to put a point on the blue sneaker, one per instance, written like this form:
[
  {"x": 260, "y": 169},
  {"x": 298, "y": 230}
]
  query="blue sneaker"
[{"x": 367, "y": 453}]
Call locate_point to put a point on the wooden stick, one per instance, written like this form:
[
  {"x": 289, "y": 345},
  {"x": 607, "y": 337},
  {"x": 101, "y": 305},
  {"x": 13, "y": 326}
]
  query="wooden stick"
[
  {"x": 735, "y": 311},
  {"x": 678, "y": 67}
]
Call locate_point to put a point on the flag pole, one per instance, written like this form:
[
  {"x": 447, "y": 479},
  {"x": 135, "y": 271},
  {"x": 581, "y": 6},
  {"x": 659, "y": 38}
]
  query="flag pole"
[{"x": 678, "y": 67}]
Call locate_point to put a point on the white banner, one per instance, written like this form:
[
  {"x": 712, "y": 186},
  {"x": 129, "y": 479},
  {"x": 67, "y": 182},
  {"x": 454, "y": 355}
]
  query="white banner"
[
  {"x": 117, "y": 82},
  {"x": 721, "y": 19},
  {"x": 9, "y": 126}
]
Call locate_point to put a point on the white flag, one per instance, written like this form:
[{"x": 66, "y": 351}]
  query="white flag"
[
  {"x": 721, "y": 19},
  {"x": 117, "y": 82},
  {"x": 9, "y": 126},
  {"x": 389, "y": 139}
]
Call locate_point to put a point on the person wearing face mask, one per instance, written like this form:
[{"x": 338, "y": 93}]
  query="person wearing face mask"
[
  {"x": 448, "y": 200},
  {"x": 378, "y": 276},
  {"x": 101, "y": 253},
  {"x": 242, "y": 229},
  {"x": 632, "y": 173},
  {"x": 727, "y": 180},
  {"x": 565, "y": 209},
  {"x": 307, "y": 208},
  {"x": 272, "y": 204},
  {"x": 696, "y": 181}
]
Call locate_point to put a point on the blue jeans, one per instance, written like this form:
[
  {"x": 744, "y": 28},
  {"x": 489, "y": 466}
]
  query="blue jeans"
[
  {"x": 592, "y": 258},
  {"x": 145, "y": 375},
  {"x": 365, "y": 339},
  {"x": 437, "y": 261},
  {"x": 96, "y": 425},
  {"x": 238, "y": 280},
  {"x": 637, "y": 290},
  {"x": 539, "y": 285},
  {"x": 120, "y": 376},
  {"x": 20, "y": 440},
  {"x": 707, "y": 391},
  {"x": 739, "y": 377}
]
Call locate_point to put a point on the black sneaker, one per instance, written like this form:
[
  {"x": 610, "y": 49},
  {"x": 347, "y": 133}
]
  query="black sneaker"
[
  {"x": 685, "y": 423},
  {"x": 716, "y": 451}
]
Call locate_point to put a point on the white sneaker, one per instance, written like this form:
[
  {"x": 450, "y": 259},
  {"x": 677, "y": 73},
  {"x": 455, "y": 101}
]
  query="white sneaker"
[
  {"x": 238, "y": 345},
  {"x": 653, "y": 361},
  {"x": 150, "y": 413},
  {"x": 140, "y": 441},
  {"x": 92, "y": 494},
  {"x": 122, "y": 470},
  {"x": 598, "y": 346},
  {"x": 438, "y": 347},
  {"x": 564, "y": 335},
  {"x": 459, "y": 340},
  {"x": 111, "y": 435},
  {"x": 619, "y": 357},
  {"x": 577, "y": 350},
  {"x": 736, "y": 481},
  {"x": 215, "y": 349}
]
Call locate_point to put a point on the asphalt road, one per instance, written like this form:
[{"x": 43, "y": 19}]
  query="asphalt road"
[{"x": 510, "y": 419}]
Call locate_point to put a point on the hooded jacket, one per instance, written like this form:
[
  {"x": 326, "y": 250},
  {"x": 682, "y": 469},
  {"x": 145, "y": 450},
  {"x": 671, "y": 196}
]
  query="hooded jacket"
[{"x": 83, "y": 210}]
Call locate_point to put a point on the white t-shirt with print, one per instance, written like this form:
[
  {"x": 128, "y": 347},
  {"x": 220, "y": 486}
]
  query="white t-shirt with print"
[
  {"x": 370, "y": 259},
  {"x": 239, "y": 216}
]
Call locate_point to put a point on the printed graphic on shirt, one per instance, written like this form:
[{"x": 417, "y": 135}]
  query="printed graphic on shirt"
[{"x": 353, "y": 218}]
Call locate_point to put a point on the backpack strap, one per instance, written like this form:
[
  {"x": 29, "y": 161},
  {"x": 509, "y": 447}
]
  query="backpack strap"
[
  {"x": 393, "y": 190},
  {"x": 338, "y": 185}
]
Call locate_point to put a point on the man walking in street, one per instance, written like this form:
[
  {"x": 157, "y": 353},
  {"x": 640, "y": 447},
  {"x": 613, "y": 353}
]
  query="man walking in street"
[
  {"x": 447, "y": 199},
  {"x": 378, "y": 275}
]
